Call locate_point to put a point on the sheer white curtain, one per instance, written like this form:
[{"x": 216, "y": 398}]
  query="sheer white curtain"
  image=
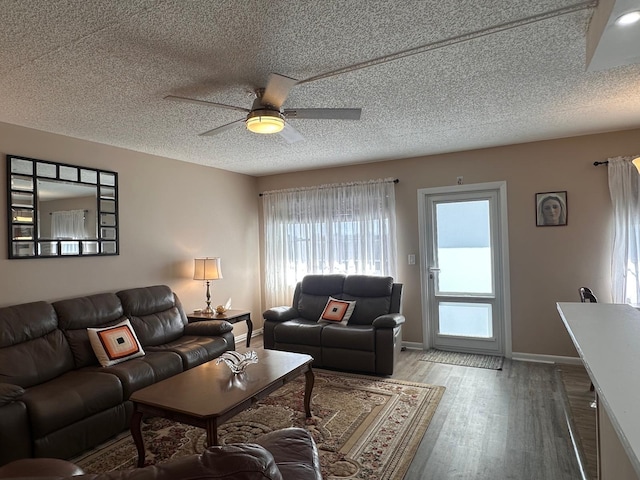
[
  {"x": 343, "y": 228},
  {"x": 624, "y": 187},
  {"x": 68, "y": 225}
]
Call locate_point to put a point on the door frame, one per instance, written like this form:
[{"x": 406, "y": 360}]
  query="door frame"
[{"x": 503, "y": 260}]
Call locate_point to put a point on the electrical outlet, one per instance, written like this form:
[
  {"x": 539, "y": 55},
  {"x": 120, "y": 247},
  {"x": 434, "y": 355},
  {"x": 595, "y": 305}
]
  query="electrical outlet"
[
  {"x": 412, "y": 259},
  {"x": 459, "y": 180}
]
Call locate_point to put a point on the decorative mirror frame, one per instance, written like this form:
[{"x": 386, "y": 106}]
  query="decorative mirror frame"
[{"x": 24, "y": 177}]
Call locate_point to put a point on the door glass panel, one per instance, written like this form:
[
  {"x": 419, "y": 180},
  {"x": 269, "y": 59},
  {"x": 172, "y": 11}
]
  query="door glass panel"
[
  {"x": 463, "y": 247},
  {"x": 466, "y": 319}
]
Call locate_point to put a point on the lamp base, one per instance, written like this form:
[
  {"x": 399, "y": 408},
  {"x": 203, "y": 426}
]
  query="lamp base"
[{"x": 208, "y": 310}]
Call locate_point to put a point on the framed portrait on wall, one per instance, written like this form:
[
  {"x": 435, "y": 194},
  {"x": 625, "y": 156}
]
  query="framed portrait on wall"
[{"x": 551, "y": 209}]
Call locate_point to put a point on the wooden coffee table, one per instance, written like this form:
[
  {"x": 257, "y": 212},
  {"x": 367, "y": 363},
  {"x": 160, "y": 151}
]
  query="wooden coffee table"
[{"x": 208, "y": 395}]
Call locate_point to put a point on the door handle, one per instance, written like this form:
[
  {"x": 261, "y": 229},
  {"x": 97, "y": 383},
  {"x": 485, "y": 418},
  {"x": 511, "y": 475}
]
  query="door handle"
[{"x": 431, "y": 270}]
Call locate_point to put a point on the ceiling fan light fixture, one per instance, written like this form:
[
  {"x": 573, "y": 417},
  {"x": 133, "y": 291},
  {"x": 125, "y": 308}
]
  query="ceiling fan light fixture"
[{"x": 265, "y": 121}]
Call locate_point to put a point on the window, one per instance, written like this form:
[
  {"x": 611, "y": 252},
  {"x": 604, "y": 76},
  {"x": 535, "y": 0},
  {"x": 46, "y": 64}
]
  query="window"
[{"x": 346, "y": 228}]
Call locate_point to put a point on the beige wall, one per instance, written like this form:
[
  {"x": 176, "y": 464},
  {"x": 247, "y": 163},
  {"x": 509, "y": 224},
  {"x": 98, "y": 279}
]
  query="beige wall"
[
  {"x": 170, "y": 213},
  {"x": 546, "y": 264}
]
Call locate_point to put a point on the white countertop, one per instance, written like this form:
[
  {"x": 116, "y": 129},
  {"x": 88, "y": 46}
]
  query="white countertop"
[{"x": 607, "y": 337}]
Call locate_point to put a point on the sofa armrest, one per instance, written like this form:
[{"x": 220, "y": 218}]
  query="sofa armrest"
[
  {"x": 9, "y": 393},
  {"x": 281, "y": 314},
  {"x": 208, "y": 328},
  {"x": 294, "y": 451},
  {"x": 390, "y": 320}
]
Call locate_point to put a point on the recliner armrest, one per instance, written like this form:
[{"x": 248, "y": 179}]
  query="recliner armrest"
[
  {"x": 281, "y": 314},
  {"x": 390, "y": 320},
  {"x": 207, "y": 328},
  {"x": 9, "y": 393}
]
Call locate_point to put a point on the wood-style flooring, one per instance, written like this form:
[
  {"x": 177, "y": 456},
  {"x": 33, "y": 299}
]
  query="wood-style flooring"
[{"x": 491, "y": 424}]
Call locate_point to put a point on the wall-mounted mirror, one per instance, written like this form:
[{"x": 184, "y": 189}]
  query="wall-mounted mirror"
[{"x": 60, "y": 210}]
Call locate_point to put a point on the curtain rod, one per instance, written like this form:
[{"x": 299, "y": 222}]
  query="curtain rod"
[
  {"x": 606, "y": 162},
  {"x": 51, "y": 213},
  {"x": 395, "y": 180}
]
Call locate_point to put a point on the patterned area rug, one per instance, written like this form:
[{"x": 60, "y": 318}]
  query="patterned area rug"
[
  {"x": 464, "y": 359},
  {"x": 365, "y": 427}
]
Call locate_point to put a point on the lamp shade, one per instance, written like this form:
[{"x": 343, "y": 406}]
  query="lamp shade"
[
  {"x": 636, "y": 163},
  {"x": 207, "y": 269}
]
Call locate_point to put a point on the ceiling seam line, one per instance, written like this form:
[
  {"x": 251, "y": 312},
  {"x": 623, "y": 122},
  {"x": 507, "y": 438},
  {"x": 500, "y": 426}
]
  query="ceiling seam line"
[{"x": 456, "y": 40}]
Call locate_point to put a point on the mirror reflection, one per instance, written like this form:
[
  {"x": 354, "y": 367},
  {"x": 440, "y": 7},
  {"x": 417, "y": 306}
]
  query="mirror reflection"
[{"x": 60, "y": 210}]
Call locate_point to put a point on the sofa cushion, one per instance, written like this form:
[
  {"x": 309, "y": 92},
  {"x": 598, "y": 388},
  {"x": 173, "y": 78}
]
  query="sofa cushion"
[
  {"x": 70, "y": 398},
  {"x": 194, "y": 350},
  {"x": 32, "y": 349},
  {"x": 314, "y": 292},
  {"x": 372, "y": 294},
  {"x": 298, "y": 331},
  {"x": 337, "y": 311},
  {"x": 353, "y": 337},
  {"x": 143, "y": 371},
  {"x": 75, "y": 315},
  {"x": 115, "y": 344},
  {"x": 155, "y": 314}
]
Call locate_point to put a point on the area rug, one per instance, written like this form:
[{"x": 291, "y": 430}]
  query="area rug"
[
  {"x": 365, "y": 427},
  {"x": 463, "y": 359}
]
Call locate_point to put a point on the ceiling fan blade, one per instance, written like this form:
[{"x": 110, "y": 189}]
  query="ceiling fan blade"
[
  {"x": 324, "y": 113},
  {"x": 277, "y": 89},
  {"x": 290, "y": 134},
  {"x": 223, "y": 128},
  {"x": 204, "y": 102}
]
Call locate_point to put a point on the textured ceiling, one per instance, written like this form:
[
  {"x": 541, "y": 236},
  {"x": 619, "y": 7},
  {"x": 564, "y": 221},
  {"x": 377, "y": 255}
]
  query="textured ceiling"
[{"x": 478, "y": 74}]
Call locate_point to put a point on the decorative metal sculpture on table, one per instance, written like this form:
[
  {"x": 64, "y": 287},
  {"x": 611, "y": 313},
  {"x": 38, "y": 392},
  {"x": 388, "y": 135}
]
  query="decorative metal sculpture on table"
[{"x": 237, "y": 362}]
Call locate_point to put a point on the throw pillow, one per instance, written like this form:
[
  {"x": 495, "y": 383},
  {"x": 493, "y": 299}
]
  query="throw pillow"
[
  {"x": 115, "y": 344},
  {"x": 337, "y": 311}
]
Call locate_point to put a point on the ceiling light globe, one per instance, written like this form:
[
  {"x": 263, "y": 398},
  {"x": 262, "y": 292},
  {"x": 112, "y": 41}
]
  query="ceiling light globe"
[
  {"x": 629, "y": 18},
  {"x": 265, "y": 121}
]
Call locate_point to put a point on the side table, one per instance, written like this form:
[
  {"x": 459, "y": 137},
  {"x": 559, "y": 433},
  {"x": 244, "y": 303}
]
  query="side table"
[{"x": 231, "y": 316}]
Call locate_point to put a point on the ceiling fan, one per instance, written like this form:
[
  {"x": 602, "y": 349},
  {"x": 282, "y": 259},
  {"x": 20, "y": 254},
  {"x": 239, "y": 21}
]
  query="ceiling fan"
[{"x": 266, "y": 115}]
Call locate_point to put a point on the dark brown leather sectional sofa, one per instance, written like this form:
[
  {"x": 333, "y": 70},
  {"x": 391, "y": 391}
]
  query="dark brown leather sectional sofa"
[
  {"x": 371, "y": 340},
  {"x": 287, "y": 454},
  {"x": 56, "y": 400}
]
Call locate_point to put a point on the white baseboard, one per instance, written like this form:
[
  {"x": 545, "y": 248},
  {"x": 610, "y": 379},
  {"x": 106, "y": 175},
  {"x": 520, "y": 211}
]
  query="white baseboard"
[
  {"x": 534, "y": 357},
  {"x": 412, "y": 345},
  {"x": 242, "y": 338}
]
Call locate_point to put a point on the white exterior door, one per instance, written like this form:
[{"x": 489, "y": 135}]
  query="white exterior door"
[{"x": 465, "y": 268}]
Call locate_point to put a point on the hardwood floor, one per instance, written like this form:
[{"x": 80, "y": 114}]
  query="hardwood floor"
[{"x": 491, "y": 424}]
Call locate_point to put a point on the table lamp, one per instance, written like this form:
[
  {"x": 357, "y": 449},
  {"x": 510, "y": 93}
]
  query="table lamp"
[{"x": 207, "y": 269}]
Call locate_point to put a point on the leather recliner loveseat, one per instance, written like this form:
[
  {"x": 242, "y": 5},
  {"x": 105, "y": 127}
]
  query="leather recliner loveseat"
[
  {"x": 369, "y": 342},
  {"x": 56, "y": 400}
]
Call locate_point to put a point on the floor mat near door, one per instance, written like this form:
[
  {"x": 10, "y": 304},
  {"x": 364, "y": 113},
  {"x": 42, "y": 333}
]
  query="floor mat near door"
[{"x": 491, "y": 362}]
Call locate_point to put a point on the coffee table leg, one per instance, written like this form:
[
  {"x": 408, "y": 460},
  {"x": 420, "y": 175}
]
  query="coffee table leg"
[
  {"x": 136, "y": 418},
  {"x": 308, "y": 388},
  {"x": 212, "y": 432}
]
